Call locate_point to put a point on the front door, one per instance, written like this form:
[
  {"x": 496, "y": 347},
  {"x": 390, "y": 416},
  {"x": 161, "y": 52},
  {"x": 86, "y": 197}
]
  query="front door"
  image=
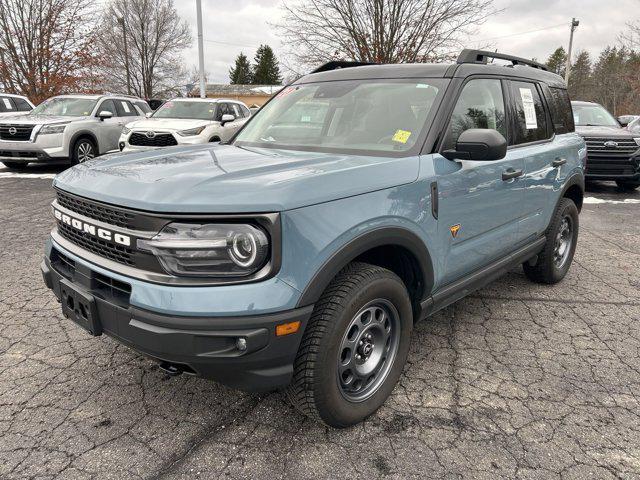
[
  {"x": 480, "y": 203},
  {"x": 110, "y": 129}
]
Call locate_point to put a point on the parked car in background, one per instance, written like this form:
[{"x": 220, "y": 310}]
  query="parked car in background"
[
  {"x": 625, "y": 120},
  {"x": 14, "y": 104},
  {"x": 186, "y": 121},
  {"x": 613, "y": 152},
  {"x": 634, "y": 127},
  {"x": 67, "y": 129},
  {"x": 360, "y": 200}
]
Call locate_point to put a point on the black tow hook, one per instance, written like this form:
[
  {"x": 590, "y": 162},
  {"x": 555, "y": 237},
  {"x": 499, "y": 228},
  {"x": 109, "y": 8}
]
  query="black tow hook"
[{"x": 170, "y": 369}]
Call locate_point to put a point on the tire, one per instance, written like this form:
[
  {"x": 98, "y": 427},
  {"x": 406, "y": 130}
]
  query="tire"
[
  {"x": 553, "y": 263},
  {"x": 15, "y": 165},
  {"x": 83, "y": 150},
  {"x": 627, "y": 186},
  {"x": 365, "y": 298}
]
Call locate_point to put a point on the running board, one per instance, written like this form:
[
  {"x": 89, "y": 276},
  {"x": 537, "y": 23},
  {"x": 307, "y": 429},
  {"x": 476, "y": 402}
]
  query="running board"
[{"x": 453, "y": 292}]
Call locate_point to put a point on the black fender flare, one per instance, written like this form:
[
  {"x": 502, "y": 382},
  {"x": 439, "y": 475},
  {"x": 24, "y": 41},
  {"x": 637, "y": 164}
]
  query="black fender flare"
[
  {"x": 379, "y": 237},
  {"x": 575, "y": 179},
  {"x": 83, "y": 133}
]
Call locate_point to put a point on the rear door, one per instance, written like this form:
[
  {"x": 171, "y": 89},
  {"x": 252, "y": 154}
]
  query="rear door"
[{"x": 479, "y": 211}]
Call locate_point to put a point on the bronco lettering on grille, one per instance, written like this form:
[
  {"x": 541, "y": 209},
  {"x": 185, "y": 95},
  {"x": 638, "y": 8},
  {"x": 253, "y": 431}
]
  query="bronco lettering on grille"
[{"x": 92, "y": 230}]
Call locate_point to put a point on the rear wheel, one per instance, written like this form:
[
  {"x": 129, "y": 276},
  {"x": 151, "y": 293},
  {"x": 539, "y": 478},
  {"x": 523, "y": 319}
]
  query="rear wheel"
[
  {"x": 15, "y": 165},
  {"x": 354, "y": 347},
  {"x": 627, "y": 186},
  {"x": 555, "y": 259},
  {"x": 83, "y": 150}
]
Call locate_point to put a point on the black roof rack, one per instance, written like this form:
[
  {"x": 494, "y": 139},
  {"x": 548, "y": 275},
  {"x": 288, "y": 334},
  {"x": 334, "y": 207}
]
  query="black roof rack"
[
  {"x": 336, "y": 64},
  {"x": 482, "y": 56}
]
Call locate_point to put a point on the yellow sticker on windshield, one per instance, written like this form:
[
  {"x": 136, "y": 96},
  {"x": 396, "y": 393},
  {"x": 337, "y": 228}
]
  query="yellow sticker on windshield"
[{"x": 401, "y": 136}]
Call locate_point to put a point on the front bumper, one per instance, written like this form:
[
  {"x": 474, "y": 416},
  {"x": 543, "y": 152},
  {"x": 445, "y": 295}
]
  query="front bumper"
[
  {"x": 204, "y": 346},
  {"x": 45, "y": 148}
]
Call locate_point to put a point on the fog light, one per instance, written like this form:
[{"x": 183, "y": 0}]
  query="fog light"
[{"x": 241, "y": 344}]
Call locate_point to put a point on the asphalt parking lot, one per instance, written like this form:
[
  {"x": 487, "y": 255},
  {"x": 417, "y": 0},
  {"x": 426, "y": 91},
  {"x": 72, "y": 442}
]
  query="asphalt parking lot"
[{"x": 517, "y": 381}]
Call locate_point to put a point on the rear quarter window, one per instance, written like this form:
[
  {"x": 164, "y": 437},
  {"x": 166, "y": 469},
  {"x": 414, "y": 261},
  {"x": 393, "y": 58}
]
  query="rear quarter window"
[{"x": 560, "y": 109}]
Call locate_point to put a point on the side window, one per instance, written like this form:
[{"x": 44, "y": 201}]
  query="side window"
[
  {"x": 143, "y": 107},
  {"x": 245, "y": 111},
  {"x": 530, "y": 122},
  {"x": 125, "y": 109},
  {"x": 480, "y": 105},
  {"x": 6, "y": 105},
  {"x": 107, "y": 106},
  {"x": 22, "y": 105},
  {"x": 560, "y": 109},
  {"x": 223, "y": 109}
]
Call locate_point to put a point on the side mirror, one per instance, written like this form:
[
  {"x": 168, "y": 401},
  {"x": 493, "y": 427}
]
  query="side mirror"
[
  {"x": 624, "y": 121},
  {"x": 148, "y": 114},
  {"x": 227, "y": 118},
  {"x": 104, "y": 114},
  {"x": 480, "y": 144}
]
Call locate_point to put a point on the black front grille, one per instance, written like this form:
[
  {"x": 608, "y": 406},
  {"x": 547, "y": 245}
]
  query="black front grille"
[
  {"x": 111, "y": 288},
  {"x": 611, "y": 156},
  {"x": 16, "y": 154},
  {"x": 102, "y": 213},
  {"x": 117, "y": 253},
  {"x": 18, "y": 133},
  {"x": 159, "y": 140}
]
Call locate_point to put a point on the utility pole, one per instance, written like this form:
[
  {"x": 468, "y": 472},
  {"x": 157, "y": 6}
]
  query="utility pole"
[
  {"x": 126, "y": 53},
  {"x": 574, "y": 25},
  {"x": 200, "y": 49}
]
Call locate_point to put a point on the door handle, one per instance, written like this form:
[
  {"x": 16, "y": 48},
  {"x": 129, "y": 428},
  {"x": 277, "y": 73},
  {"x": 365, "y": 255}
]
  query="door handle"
[
  {"x": 558, "y": 162},
  {"x": 510, "y": 173}
]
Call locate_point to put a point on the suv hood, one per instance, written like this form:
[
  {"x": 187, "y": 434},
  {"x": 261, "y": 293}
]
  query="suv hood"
[
  {"x": 167, "y": 124},
  {"x": 604, "y": 131},
  {"x": 29, "y": 119},
  {"x": 229, "y": 179}
]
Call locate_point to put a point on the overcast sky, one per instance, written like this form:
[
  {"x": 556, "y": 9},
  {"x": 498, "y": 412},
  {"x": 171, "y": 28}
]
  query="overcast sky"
[{"x": 232, "y": 26}]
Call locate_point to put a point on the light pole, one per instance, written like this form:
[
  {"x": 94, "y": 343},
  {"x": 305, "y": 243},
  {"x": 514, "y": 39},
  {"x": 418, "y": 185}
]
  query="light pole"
[
  {"x": 574, "y": 25},
  {"x": 200, "y": 49},
  {"x": 126, "y": 53}
]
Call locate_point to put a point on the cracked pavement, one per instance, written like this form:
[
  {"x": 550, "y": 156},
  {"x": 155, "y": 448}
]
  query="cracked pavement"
[{"x": 517, "y": 381}]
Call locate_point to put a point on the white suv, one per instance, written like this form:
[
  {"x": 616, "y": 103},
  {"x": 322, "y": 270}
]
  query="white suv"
[
  {"x": 67, "y": 129},
  {"x": 186, "y": 121},
  {"x": 14, "y": 104}
]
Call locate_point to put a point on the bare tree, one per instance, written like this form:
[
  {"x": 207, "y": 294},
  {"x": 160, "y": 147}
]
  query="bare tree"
[
  {"x": 154, "y": 37},
  {"x": 386, "y": 31},
  {"x": 46, "y": 47}
]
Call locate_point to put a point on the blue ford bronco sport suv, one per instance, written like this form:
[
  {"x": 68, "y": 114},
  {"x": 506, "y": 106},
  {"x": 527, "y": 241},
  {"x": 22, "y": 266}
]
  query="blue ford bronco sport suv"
[{"x": 359, "y": 200}]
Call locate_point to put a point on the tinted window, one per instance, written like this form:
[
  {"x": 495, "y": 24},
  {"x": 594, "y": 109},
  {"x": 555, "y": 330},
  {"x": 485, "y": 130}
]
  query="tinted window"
[
  {"x": 108, "y": 106},
  {"x": 480, "y": 105},
  {"x": 560, "y": 109},
  {"x": 6, "y": 105},
  {"x": 530, "y": 122},
  {"x": 143, "y": 106},
  {"x": 125, "y": 109},
  {"x": 22, "y": 105}
]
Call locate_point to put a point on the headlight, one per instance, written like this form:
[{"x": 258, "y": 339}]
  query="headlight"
[
  {"x": 126, "y": 131},
  {"x": 209, "y": 250},
  {"x": 191, "y": 132},
  {"x": 50, "y": 129}
]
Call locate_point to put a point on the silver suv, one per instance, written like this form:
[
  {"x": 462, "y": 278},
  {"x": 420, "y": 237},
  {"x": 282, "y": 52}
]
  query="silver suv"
[{"x": 67, "y": 129}]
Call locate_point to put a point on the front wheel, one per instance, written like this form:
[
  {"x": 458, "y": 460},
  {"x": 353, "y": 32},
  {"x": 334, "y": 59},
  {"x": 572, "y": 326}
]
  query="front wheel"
[
  {"x": 83, "y": 150},
  {"x": 354, "y": 347},
  {"x": 627, "y": 186},
  {"x": 555, "y": 259}
]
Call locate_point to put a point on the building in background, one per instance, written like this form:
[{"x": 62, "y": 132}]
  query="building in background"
[{"x": 251, "y": 95}]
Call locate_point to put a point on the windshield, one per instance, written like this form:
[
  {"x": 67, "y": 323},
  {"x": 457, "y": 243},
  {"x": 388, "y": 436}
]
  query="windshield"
[
  {"x": 593, "y": 115},
  {"x": 67, "y": 107},
  {"x": 182, "y": 109},
  {"x": 373, "y": 115}
]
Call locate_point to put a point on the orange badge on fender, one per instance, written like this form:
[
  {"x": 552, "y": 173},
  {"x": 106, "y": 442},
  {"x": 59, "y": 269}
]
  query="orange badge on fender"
[{"x": 454, "y": 230}]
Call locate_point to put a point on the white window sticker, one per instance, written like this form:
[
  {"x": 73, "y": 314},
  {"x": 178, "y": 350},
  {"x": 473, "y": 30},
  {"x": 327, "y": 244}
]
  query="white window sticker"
[
  {"x": 7, "y": 104},
  {"x": 529, "y": 108},
  {"x": 125, "y": 105}
]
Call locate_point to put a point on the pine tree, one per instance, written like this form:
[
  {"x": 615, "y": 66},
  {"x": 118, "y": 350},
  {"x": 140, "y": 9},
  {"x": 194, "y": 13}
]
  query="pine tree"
[
  {"x": 580, "y": 81},
  {"x": 557, "y": 61},
  {"x": 241, "y": 73},
  {"x": 265, "y": 68}
]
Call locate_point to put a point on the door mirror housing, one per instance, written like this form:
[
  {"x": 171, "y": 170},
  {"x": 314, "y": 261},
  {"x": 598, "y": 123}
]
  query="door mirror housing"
[
  {"x": 104, "y": 114},
  {"x": 227, "y": 118},
  {"x": 479, "y": 144}
]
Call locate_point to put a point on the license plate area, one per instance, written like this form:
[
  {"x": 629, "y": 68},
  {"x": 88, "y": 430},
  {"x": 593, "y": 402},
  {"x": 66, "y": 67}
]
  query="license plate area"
[{"x": 80, "y": 307}]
